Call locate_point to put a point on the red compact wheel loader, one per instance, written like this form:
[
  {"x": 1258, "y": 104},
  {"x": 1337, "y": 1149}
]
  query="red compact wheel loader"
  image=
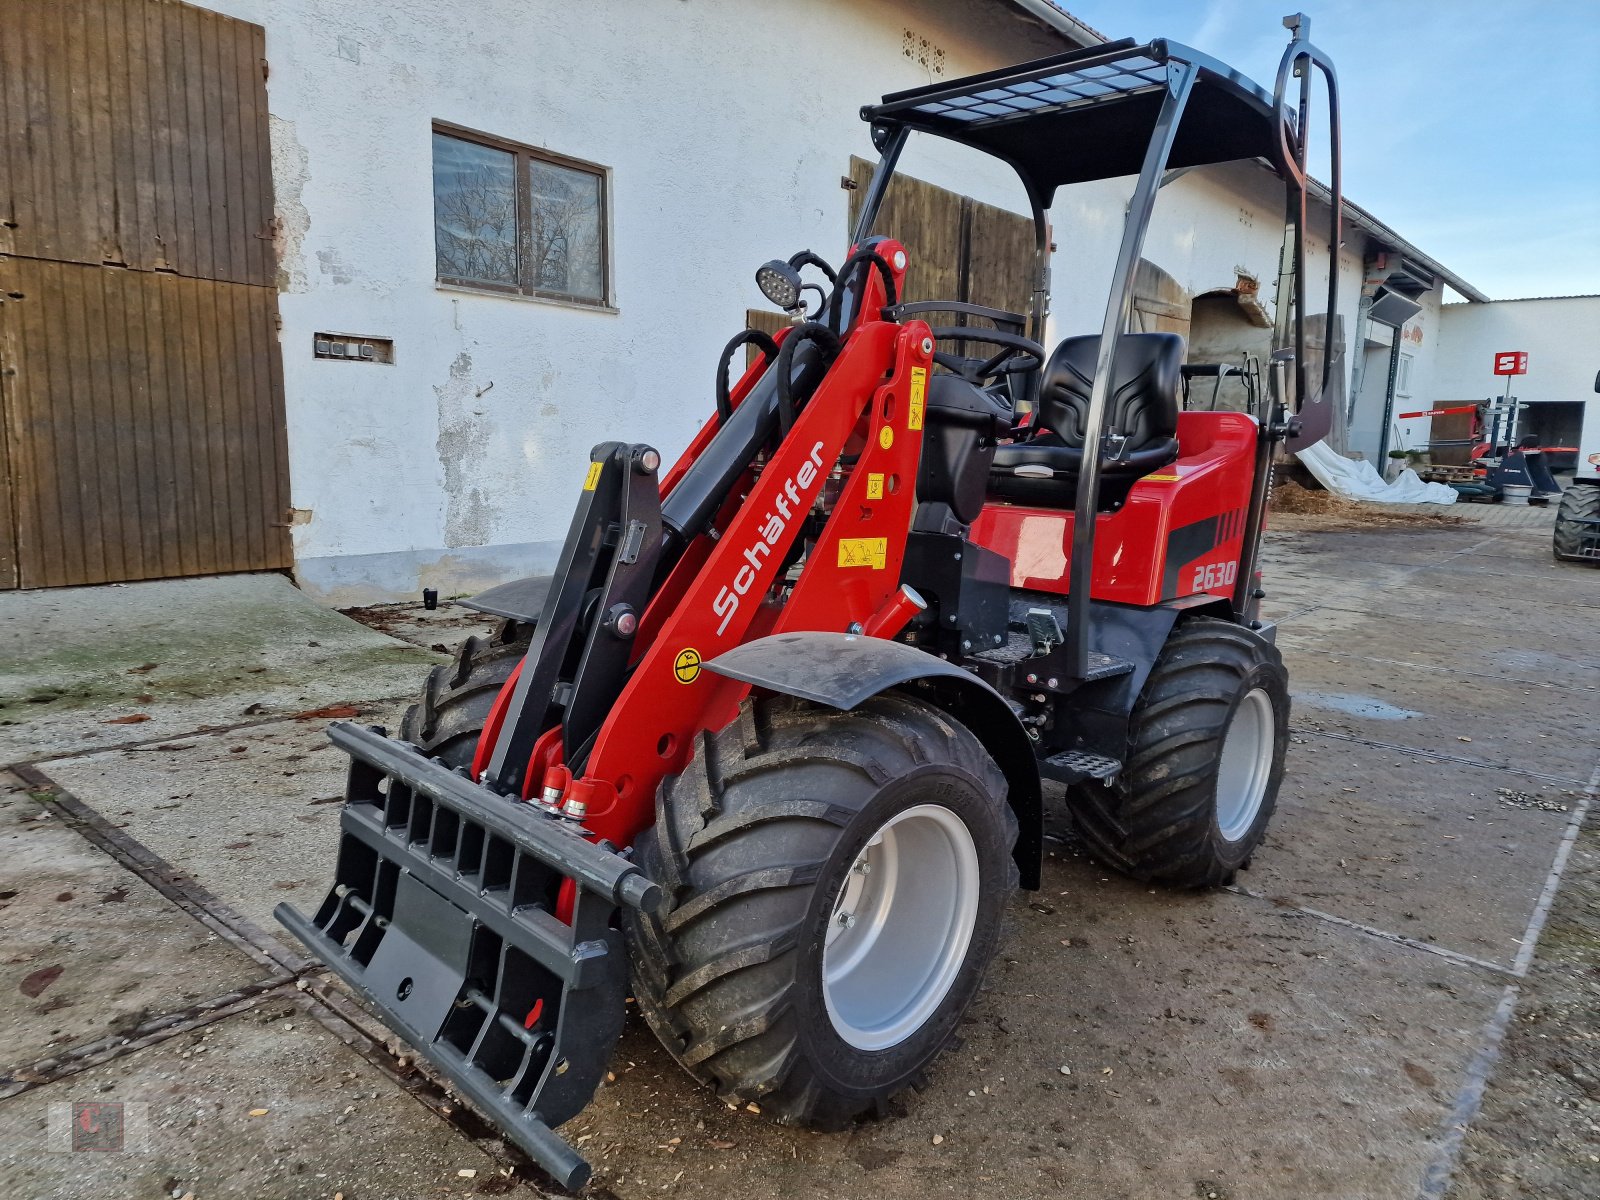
[{"x": 766, "y": 750}]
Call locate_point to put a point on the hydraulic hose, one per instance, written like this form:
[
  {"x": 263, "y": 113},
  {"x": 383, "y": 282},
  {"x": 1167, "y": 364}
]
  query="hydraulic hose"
[
  {"x": 749, "y": 337},
  {"x": 702, "y": 490},
  {"x": 810, "y": 258},
  {"x": 851, "y": 265},
  {"x": 811, "y": 331}
]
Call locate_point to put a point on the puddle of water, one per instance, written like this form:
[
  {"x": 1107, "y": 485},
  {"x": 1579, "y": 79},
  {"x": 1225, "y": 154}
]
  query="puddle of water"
[{"x": 1356, "y": 705}]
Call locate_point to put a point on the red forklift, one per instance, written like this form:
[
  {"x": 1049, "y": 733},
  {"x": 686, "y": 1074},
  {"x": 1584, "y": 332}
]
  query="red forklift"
[{"x": 766, "y": 750}]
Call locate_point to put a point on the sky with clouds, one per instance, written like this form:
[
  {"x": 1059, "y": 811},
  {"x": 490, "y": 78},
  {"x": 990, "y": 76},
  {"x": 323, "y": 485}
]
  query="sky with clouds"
[{"x": 1471, "y": 128}]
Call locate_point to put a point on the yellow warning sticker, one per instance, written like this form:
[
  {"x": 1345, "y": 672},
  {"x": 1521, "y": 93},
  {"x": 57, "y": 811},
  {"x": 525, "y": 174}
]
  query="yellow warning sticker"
[
  {"x": 919, "y": 390},
  {"x": 886, "y": 437},
  {"x": 864, "y": 552},
  {"x": 593, "y": 478},
  {"x": 1162, "y": 478},
  {"x": 687, "y": 665},
  {"x": 875, "y": 485}
]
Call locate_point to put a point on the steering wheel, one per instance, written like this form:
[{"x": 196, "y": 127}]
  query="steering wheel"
[{"x": 1017, "y": 353}]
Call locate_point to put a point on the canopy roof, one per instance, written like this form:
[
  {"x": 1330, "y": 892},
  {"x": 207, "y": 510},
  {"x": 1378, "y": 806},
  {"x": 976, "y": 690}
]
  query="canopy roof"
[{"x": 1089, "y": 114}]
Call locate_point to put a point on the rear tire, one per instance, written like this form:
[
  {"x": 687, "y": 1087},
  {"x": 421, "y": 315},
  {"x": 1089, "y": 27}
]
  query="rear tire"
[
  {"x": 446, "y": 720},
  {"x": 1579, "y": 503},
  {"x": 751, "y": 977},
  {"x": 1206, "y": 749}
]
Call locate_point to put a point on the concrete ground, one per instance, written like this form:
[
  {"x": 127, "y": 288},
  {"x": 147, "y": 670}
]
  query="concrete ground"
[{"x": 1323, "y": 1029}]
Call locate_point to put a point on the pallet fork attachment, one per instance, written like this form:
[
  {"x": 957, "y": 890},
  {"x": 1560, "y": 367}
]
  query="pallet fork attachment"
[{"x": 440, "y": 918}]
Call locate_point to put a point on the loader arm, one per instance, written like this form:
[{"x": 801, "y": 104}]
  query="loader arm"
[{"x": 478, "y": 911}]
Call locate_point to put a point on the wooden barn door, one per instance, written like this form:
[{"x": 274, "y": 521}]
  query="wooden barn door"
[
  {"x": 960, "y": 248},
  {"x": 140, "y": 381}
]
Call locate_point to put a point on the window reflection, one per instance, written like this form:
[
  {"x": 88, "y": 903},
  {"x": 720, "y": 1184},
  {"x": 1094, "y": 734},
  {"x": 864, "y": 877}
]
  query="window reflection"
[{"x": 474, "y": 211}]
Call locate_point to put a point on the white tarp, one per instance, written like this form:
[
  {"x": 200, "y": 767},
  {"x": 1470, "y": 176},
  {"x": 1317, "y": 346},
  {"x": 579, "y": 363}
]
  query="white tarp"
[{"x": 1360, "y": 481}]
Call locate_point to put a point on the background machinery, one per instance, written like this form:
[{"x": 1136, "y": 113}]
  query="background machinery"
[{"x": 1577, "y": 529}]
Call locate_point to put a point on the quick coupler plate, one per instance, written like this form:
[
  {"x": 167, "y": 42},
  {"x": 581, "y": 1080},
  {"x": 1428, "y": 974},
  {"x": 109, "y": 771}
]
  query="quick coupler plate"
[{"x": 443, "y": 917}]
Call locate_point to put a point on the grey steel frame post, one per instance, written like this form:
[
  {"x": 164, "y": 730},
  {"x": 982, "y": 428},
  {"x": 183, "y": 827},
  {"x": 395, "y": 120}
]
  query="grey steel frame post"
[
  {"x": 889, "y": 146},
  {"x": 1299, "y": 60},
  {"x": 1505, "y": 416},
  {"x": 1119, "y": 306},
  {"x": 893, "y": 141},
  {"x": 1039, "y": 301},
  {"x": 1391, "y": 382}
]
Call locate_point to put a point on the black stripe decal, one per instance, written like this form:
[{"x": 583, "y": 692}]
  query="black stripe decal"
[{"x": 1185, "y": 544}]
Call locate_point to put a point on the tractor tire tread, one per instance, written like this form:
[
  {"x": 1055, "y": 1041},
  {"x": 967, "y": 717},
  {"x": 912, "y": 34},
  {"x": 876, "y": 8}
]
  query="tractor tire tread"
[
  {"x": 1155, "y": 821},
  {"x": 726, "y": 964},
  {"x": 1579, "y": 502},
  {"x": 456, "y": 698},
  {"x": 739, "y": 885},
  {"x": 712, "y": 972}
]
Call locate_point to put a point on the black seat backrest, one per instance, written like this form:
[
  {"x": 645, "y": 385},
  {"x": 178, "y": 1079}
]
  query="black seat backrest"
[{"x": 1145, "y": 382}]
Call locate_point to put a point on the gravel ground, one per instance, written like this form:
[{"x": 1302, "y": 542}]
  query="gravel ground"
[
  {"x": 1311, "y": 1033},
  {"x": 1538, "y": 1134}
]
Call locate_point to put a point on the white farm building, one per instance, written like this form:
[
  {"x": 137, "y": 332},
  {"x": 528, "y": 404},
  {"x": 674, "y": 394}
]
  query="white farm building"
[{"x": 379, "y": 275}]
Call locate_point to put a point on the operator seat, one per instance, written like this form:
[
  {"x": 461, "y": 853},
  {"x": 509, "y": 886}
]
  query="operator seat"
[{"x": 1143, "y": 407}]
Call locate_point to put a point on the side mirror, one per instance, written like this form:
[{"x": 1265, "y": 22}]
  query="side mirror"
[{"x": 1597, "y": 381}]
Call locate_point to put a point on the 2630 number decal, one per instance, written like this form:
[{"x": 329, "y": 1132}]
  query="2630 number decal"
[{"x": 1214, "y": 575}]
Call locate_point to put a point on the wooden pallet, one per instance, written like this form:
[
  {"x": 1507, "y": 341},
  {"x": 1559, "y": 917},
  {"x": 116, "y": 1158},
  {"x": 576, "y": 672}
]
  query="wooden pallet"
[{"x": 1446, "y": 473}]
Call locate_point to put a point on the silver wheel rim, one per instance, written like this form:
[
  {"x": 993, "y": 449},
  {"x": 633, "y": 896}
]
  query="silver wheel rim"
[
  {"x": 899, "y": 927},
  {"x": 1246, "y": 764}
]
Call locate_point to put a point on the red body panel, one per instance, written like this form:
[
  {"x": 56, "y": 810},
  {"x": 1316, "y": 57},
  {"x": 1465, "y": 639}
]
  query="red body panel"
[{"x": 1180, "y": 532}]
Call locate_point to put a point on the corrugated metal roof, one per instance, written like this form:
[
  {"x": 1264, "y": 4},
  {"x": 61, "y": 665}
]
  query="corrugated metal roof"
[
  {"x": 1359, "y": 218},
  {"x": 1063, "y": 22},
  {"x": 1519, "y": 299}
]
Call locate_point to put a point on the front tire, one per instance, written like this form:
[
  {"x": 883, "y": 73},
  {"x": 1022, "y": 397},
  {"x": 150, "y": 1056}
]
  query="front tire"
[
  {"x": 1206, "y": 749},
  {"x": 449, "y": 716},
  {"x": 752, "y": 977},
  {"x": 1580, "y": 507}
]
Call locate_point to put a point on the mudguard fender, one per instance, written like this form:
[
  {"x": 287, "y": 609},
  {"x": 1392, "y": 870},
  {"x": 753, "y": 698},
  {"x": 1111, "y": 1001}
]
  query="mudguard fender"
[
  {"x": 841, "y": 670},
  {"x": 521, "y": 599}
]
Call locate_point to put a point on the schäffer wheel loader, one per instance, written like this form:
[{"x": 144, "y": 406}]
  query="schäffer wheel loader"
[{"x": 766, "y": 749}]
